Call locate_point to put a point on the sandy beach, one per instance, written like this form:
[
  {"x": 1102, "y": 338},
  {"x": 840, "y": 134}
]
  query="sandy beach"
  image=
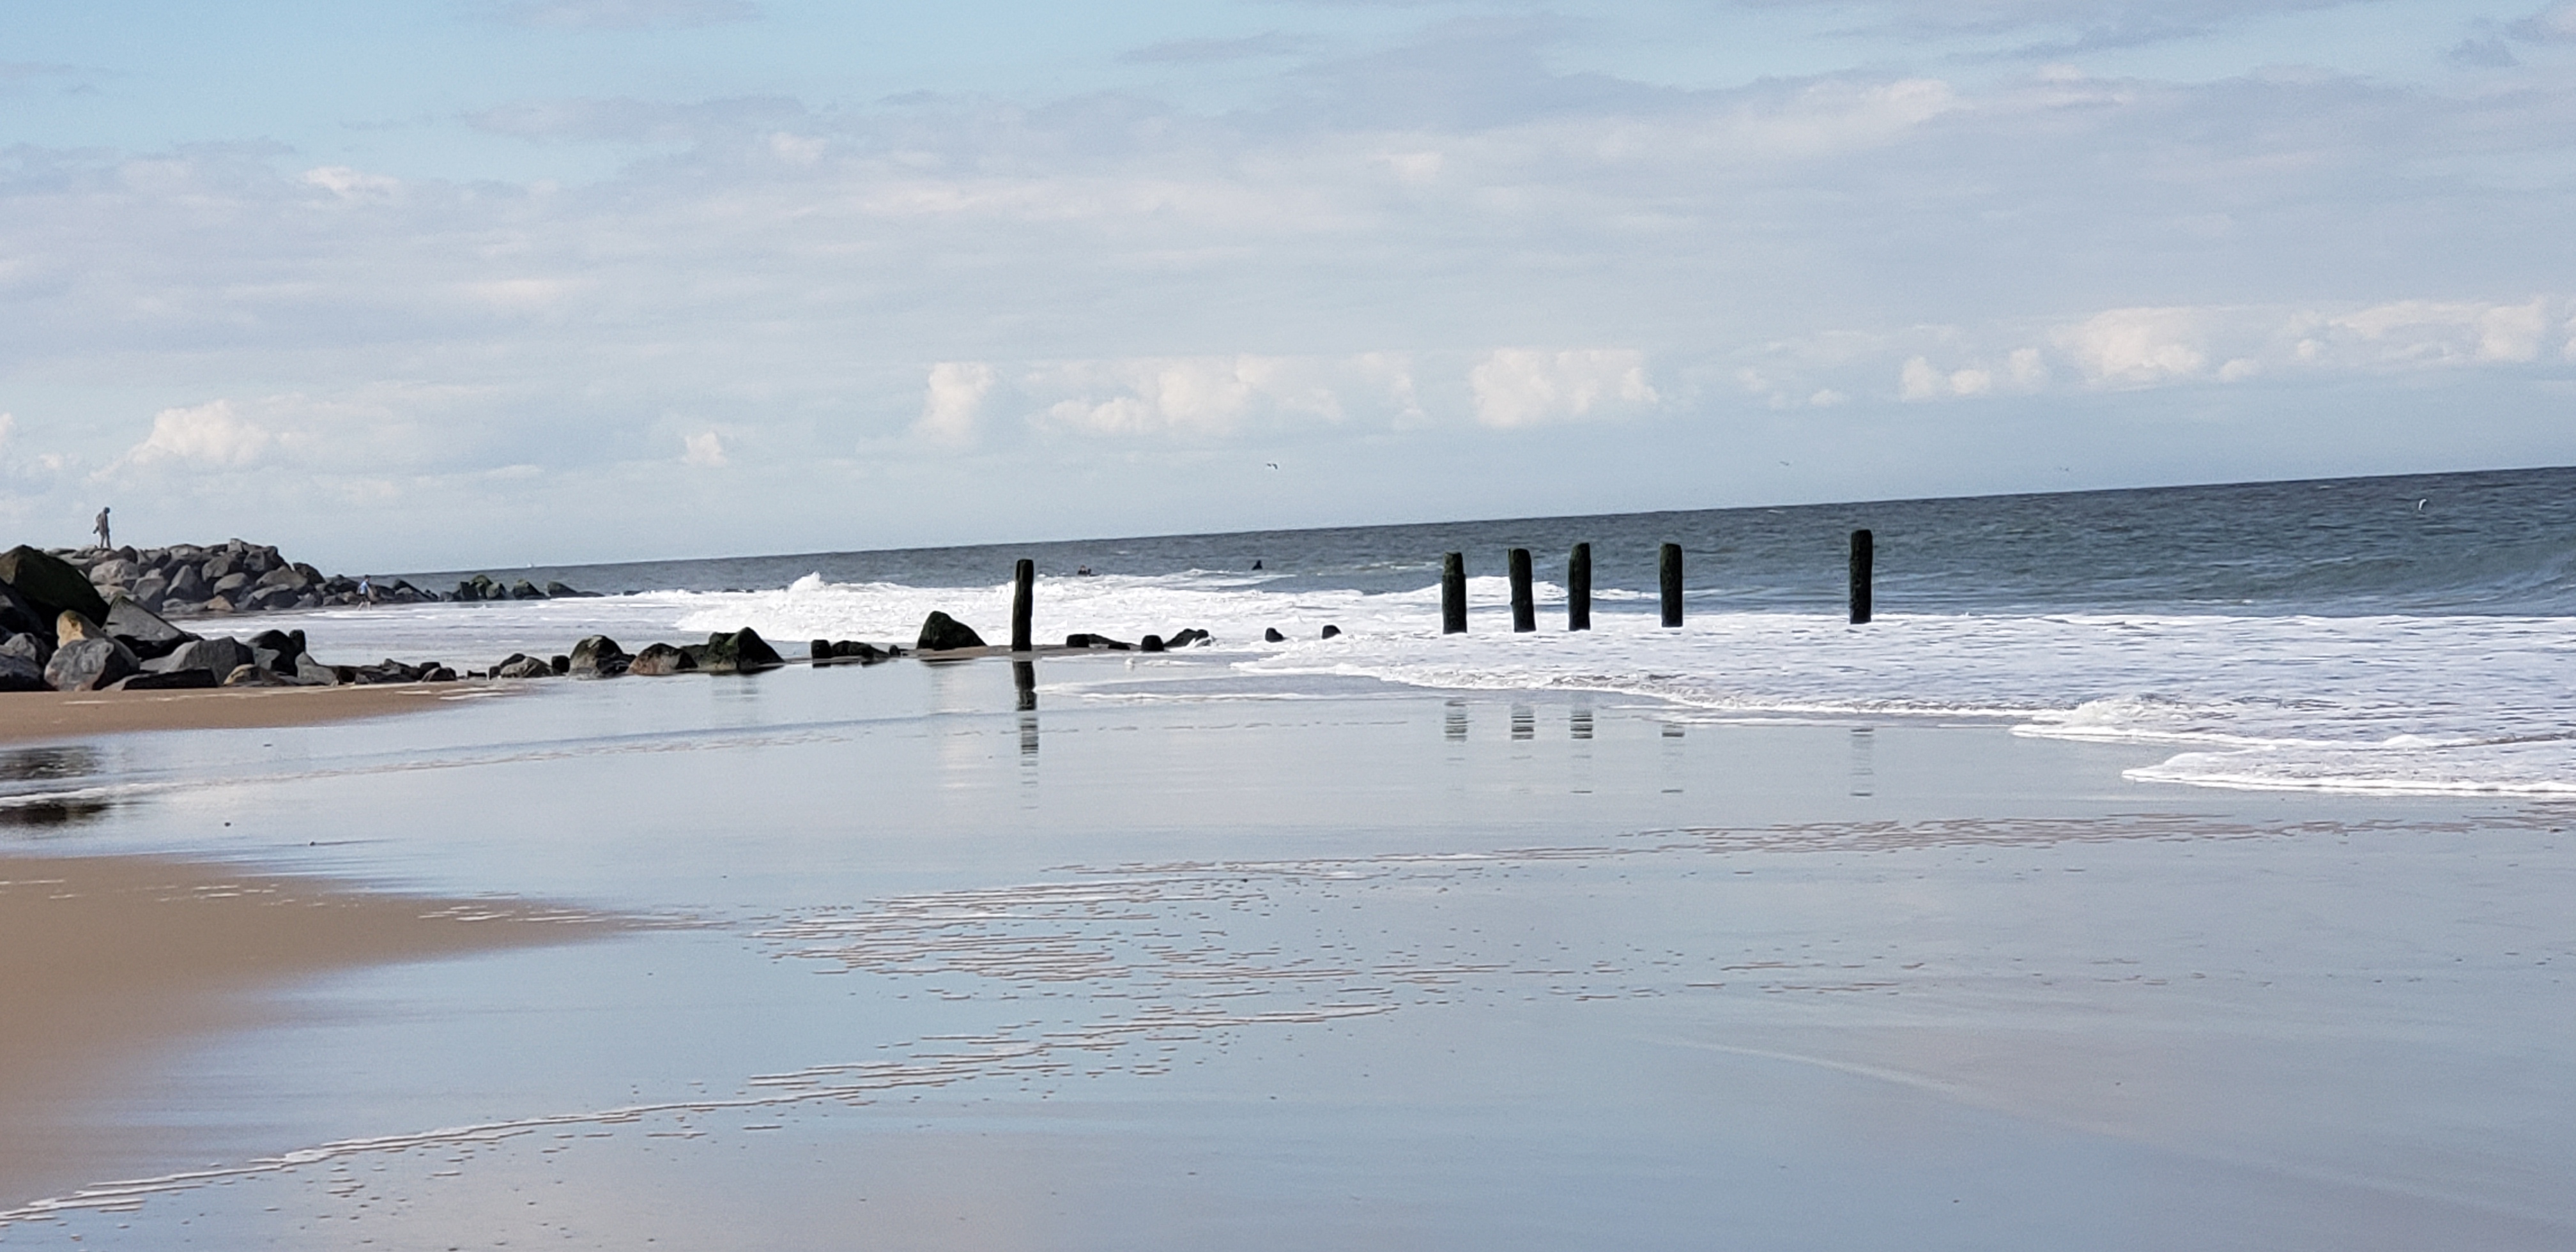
[
  {"x": 1182, "y": 957},
  {"x": 37, "y": 716}
]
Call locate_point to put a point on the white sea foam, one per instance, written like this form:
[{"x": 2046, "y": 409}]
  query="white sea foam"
[{"x": 2367, "y": 704}]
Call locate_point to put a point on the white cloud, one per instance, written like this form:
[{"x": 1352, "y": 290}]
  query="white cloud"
[
  {"x": 2137, "y": 347},
  {"x": 703, "y": 449},
  {"x": 1192, "y": 396},
  {"x": 1517, "y": 387},
  {"x": 351, "y": 184},
  {"x": 210, "y": 435},
  {"x": 953, "y": 401}
]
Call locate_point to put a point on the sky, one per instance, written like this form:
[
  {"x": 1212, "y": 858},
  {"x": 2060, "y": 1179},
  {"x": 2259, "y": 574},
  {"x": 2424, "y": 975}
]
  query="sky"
[{"x": 491, "y": 282}]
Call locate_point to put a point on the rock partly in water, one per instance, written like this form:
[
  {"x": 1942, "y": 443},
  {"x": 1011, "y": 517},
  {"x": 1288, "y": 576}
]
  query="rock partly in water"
[
  {"x": 661, "y": 658},
  {"x": 518, "y": 666},
  {"x": 1271, "y": 635},
  {"x": 739, "y": 652},
  {"x": 17, "y": 673},
  {"x": 89, "y": 664},
  {"x": 1187, "y": 638},
  {"x": 940, "y": 632},
  {"x": 1150, "y": 643},
  {"x": 1331, "y": 630},
  {"x": 598, "y": 656}
]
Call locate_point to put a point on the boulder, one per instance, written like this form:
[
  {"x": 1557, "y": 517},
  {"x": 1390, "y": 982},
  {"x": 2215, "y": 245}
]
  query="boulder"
[
  {"x": 598, "y": 656},
  {"x": 19, "y": 614},
  {"x": 1331, "y": 630},
  {"x": 219, "y": 564},
  {"x": 215, "y": 656},
  {"x": 1150, "y": 643},
  {"x": 71, "y": 626},
  {"x": 142, "y": 630},
  {"x": 1272, "y": 635},
  {"x": 660, "y": 658},
  {"x": 150, "y": 590},
  {"x": 940, "y": 632},
  {"x": 312, "y": 671},
  {"x": 560, "y": 664},
  {"x": 17, "y": 673},
  {"x": 253, "y": 676},
  {"x": 187, "y": 584},
  {"x": 50, "y": 584},
  {"x": 113, "y": 575},
  {"x": 172, "y": 680},
  {"x": 287, "y": 644},
  {"x": 523, "y": 667},
  {"x": 863, "y": 653},
  {"x": 28, "y": 646},
  {"x": 558, "y": 591},
  {"x": 739, "y": 652},
  {"x": 525, "y": 590},
  {"x": 284, "y": 576},
  {"x": 231, "y": 586},
  {"x": 1187, "y": 638},
  {"x": 89, "y": 664}
]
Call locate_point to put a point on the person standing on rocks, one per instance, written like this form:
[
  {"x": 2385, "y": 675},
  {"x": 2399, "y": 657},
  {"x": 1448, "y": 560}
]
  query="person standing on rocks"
[{"x": 101, "y": 527}]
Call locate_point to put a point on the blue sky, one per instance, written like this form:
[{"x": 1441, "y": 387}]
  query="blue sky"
[{"x": 509, "y": 281}]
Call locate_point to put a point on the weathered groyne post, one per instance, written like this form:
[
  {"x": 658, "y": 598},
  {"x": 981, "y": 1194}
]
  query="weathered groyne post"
[
  {"x": 1024, "y": 683},
  {"x": 1863, "y": 553},
  {"x": 1670, "y": 564},
  {"x": 1024, "y": 594},
  {"x": 1524, "y": 606},
  {"x": 1453, "y": 594},
  {"x": 1578, "y": 588}
]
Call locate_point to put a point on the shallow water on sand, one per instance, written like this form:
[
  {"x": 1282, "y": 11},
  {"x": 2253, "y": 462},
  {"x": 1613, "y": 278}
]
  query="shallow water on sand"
[{"x": 1179, "y": 959}]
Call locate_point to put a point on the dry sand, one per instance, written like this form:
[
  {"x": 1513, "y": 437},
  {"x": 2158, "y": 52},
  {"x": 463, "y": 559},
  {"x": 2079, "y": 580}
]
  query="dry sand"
[
  {"x": 31, "y": 716},
  {"x": 106, "y": 962}
]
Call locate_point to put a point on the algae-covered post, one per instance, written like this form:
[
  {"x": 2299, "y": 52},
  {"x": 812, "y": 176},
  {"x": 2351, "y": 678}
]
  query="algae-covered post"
[
  {"x": 1670, "y": 564},
  {"x": 1524, "y": 607},
  {"x": 1863, "y": 552},
  {"x": 1578, "y": 588},
  {"x": 1024, "y": 584},
  {"x": 1453, "y": 594}
]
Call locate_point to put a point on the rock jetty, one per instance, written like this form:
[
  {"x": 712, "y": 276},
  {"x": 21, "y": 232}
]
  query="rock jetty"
[{"x": 187, "y": 580}]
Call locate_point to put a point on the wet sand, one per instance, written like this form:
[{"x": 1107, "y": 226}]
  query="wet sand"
[
  {"x": 109, "y": 963},
  {"x": 39, "y": 716},
  {"x": 1151, "y": 955}
]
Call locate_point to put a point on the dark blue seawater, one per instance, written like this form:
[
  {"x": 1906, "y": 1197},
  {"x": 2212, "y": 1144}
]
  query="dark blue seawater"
[{"x": 2490, "y": 542}]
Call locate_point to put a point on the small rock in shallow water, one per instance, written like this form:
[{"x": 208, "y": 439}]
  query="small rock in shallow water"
[
  {"x": 1330, "y": 631},
  {"x": 598, "y": 656},
  {"x": 739, "y": 652},
  {"x": 1271, "y": 635},
  {"x": 940, "y": 632},
  {"x": 660, "y": 658}
]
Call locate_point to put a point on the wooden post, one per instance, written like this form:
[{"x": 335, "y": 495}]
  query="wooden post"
[
  {"x": 1524, "y": 606},
  {"x": 1863, "y": 552},
  {"x": 1671, "y": 563},
  {"x": 1024, "y": 681},
  {"x": 1578, "y": 588},
  {"x": 1024, "y": 588},
  {"x": 1453, "y": 594}
]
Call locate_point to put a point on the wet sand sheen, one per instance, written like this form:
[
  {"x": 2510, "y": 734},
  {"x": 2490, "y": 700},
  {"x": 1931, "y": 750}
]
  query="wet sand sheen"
[
  {"x": 35, "y": 716},
  {"x": 108, "y": 962}
]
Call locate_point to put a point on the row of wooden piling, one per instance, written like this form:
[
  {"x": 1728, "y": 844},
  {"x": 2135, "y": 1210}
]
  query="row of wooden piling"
[
  {"x": 1453, "y": 589},
  {"x": 1578, "y": 586}
]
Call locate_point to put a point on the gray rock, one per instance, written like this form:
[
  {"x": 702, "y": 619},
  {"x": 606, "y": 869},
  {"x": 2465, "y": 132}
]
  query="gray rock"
[
  {"x": 150, "y": 590},
  {"x": 221, "y": 564},
  {"x": 1331, "y": 630},
  {"x": 284, "y": 576},
  {"x": 661, "y": 658},
  {"x": 312, "y": 671},
  {"x": 142, "y": 630},
  {"x": 253, "y": 676},
  {"x": 598, "y": 656},
  {"x": 28, "y": 646},
  {"x": 1272, "y": 635},
  {"x": 1150, "y": 643},
  {"x": 230, "y": 585},
  {"x": 17, "y": 673},
  {"x": 89, "y": 664},
  {"x": 113, "y": 574},
  {"x": 175, "y": 607},
  {"x": 71, "y": 626},
  {"x": 525, "y": 590},
  {"x": 215, "y": 656},
  {"x": 188, "y": 584},
  {"x": 740, "y": 652},
  {"x": 939, "y": 632},
  {"x": 523, "y": 667}
]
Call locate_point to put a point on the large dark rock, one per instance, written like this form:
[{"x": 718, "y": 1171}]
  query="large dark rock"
[
  {"x": 939, "y": 632},
  {"x": 740, "y": 652},
  {"x": 523, "y": 667},
  {"x": 312, "y": 671},
  {"x": 287, "y": 644},
  {"x": 215, "y": 656},
  {"x": 1272, "y": 635},
  {"x": 1150, "y": 643},
  {"x": 525, "y": 590},
  {"x": 598, "y": 656},
  {"x": 89, "y": 664},
  {"x": 17, "y": 673},
  {"x": 234, "y": 586},
  {"x": 142, "y": 630},
  {"x": 1187, "y": 638},
  {"x": 186, "y": 584},
  {"x": 19, "y": 614},
  {"x": 173, "y": 680},
  {"x": 50, "y": 584},
  {"x": 660, "y": 658}
]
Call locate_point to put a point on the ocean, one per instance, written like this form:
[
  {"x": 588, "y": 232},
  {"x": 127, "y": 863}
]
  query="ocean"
[{"x": 2395, "y": 634}]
